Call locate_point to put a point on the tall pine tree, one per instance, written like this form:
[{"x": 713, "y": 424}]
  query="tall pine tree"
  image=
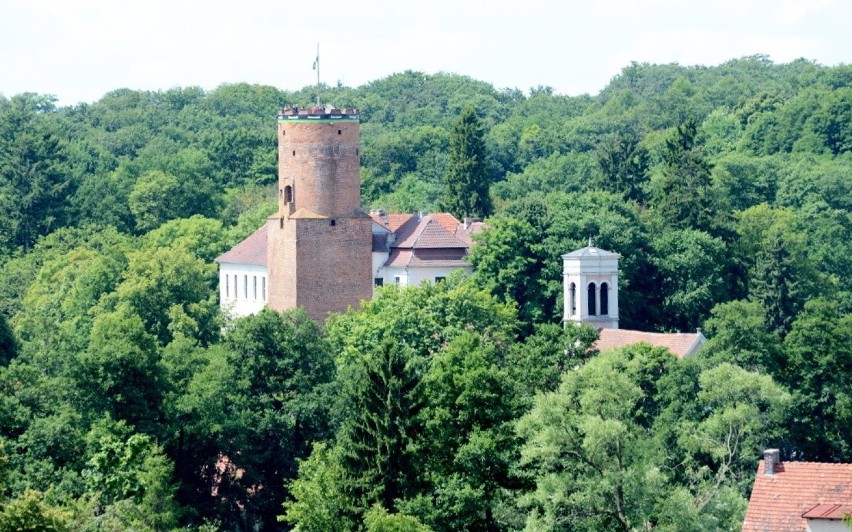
[{"x": 466, "y": 182}]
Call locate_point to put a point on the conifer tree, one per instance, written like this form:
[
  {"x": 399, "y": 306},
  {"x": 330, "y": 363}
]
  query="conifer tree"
[
  {"x": 466, "y": 181},
  {"x": 683, "y": 197},
  {"x": 377, "y": 438}
]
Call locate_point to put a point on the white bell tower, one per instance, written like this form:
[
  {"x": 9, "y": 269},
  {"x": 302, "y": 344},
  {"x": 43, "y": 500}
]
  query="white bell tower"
[{"x": 590, "y": 276}]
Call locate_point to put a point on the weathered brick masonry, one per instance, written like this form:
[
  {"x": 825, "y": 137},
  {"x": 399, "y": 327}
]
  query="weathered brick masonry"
[{"x": 320, "y": 239}]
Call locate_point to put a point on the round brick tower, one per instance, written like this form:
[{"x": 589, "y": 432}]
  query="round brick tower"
[{"x": 319, "y": 242}]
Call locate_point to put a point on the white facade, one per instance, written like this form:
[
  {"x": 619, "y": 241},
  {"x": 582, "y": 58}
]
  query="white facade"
[
  {"x": 590, "y": 277},
  {"x": 243, "y": 288},
  {"x": 826, "y": 525},
  {"x": 413, "y": 276}
]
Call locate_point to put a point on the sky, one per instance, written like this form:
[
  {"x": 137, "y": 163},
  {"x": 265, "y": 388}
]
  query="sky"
[{"x": 78, "y": 50}]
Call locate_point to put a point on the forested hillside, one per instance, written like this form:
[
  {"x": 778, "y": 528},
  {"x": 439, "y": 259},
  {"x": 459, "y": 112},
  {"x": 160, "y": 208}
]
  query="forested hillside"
[{"x": 128, "y": 401}]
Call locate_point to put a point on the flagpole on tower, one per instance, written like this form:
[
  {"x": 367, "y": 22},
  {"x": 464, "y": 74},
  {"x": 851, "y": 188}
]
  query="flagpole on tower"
[{"x": 317, "y": 68}]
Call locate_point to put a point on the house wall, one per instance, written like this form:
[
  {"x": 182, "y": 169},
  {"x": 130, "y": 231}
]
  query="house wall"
[
  {"x": 234, "y": 299},
  {"x": 826, "y": 525},
  {"x": 414, "y": 276}
]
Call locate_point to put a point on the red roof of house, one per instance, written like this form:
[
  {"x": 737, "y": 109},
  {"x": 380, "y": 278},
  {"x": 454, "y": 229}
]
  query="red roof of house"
[
  {"x": 425, "y": 233},
  {"x": 392, "y": 222},
  {"x": 779, "y": 502},
  {"x": 252, "y": 250},
  {"x": 828, "y": 511},
  {"x": 437, "y": 240},
  {"x": 436, "y": 258},
  {"x": 680, "y": 344}
]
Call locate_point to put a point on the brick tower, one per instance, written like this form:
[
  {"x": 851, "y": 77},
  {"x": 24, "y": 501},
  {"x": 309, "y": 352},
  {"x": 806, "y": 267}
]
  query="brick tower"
[{"x": 319, "y": 241}]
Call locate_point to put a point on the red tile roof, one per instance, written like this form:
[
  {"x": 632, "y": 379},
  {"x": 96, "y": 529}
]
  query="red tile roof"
[
  {"x": 427, "y": 233},
  {"x": 680, "y": 344},
  {"x": 828, "y": 511},
  {"x": 391, "y": 221},
  {"x": 436, "y": 258},
  {"x": 447, "y": 221},
  {"x": 437, "y": 240},
  {"x": 252, "y": 250},
  {"x": 778, "y": 502}
]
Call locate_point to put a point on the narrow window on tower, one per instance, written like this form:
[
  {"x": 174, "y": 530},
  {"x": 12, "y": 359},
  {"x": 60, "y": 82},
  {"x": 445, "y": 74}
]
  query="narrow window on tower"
[
  {"x": 288, "y": 194},
  {"x": 604, "y": 299},
  {"x": 572, "y": 293}
]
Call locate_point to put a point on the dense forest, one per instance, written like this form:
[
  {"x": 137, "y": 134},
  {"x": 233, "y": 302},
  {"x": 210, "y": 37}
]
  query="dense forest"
[{"x": 129, "y": 402}]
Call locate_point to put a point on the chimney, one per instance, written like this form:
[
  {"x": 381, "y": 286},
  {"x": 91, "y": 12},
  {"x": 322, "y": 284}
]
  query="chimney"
[{"x": 771, "y": 459}]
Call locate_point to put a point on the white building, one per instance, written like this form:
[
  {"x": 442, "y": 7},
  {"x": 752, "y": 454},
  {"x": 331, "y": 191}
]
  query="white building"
[
  {"x": 590, "y": 278},
  {"x": 243, "y": 276}
]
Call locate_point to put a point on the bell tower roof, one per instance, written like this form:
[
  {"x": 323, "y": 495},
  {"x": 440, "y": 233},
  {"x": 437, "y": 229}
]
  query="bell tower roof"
[{"x": 591, "y": 251}]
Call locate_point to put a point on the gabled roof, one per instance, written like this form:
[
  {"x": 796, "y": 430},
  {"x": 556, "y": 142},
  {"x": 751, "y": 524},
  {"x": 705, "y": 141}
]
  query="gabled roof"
[
  {"x": 390, "y": 221},
  {"x": 434, "y": 258},
  {"x": 779, "y": 502},
  {"x": 427, "y": 232},
  {"x": 436, "y": 240},
  {"x": 252, "y": 250},
  {"x": 680, "y": 344}
]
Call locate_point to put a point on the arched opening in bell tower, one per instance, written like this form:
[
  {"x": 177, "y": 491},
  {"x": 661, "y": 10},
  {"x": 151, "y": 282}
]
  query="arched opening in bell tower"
[{"x": 592, "y": 305}]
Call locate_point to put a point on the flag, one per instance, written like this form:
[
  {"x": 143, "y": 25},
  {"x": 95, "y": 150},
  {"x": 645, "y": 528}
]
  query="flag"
[{"x": 316, "y": 62}]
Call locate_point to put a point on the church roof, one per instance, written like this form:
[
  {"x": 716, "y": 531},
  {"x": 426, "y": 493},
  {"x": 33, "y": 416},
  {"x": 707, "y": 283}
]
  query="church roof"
[
  {"x": 252, "y": 250},
  {"x": 680, "y": 344},
  {"x": 796, "y": 491},
  {"x": 591, "y": 251}
]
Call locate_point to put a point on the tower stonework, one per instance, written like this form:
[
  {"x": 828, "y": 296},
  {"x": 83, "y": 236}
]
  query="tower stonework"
[{"x": 319, "y": 241}]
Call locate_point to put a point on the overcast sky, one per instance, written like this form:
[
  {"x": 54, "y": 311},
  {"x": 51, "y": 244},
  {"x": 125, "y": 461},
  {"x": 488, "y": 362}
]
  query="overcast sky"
[{"x": 80, "y": 49}]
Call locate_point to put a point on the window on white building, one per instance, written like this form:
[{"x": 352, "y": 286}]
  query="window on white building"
[
  {"x": 254, "y": 287},
  {"x": 572, "y": 294},
  {"x": 236, "y": 288},
  {"x": 397, "y": 279},
  {"x": 227, "y": 287},
  {"x": 592, "y": 305},
  {"x": 263, "y": 290},
  {"x": 379, "y": 281},
  {"x": 604, "y": 299},
  {"x": 245, "y": 286}
]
